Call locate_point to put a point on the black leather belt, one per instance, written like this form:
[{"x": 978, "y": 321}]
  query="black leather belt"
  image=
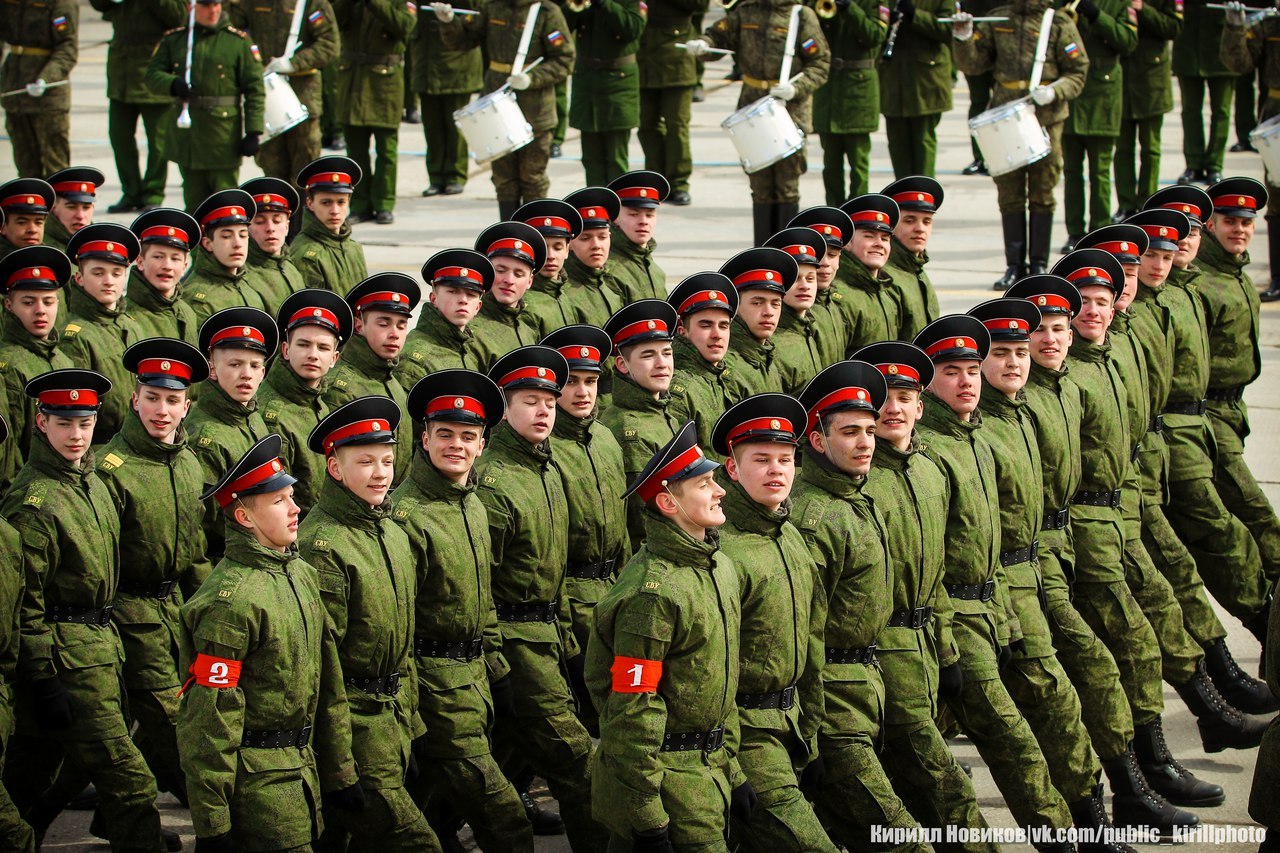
[
  {"x": 379, "y": 685},
  {"x": 687, "y": 741},
  {"x": 208, "y": 102},
  {"x": 80, "y": 615},
  {"x": 1157, "y": 424},
  {"x": 467, "y": 650},
  {"x": 161, "y": 590},
  {"x": 528, "y": 611},
  {"x": 852, "y": 64},
  {"x": 1056, "y": 519},
  {"x": 972, "y": 591},
  {"x": 1021, "y": 555},
  {"x": 1111, "y": 499},
  {"x": 1196, "y": 407},
  {"x": 782, "y": 699},
  {"x": 915, "y": 618},
  {"x": 590, "y": 571},
  {"x": 587, "y": 63},
  {"x": 264, "y": 739},
  {"x": 1225, "y": 395},
  {"x": 862, "y": 654}
]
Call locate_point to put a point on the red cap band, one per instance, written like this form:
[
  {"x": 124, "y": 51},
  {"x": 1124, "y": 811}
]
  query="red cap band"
[
  {"x": 223, "y": 213},
  {"x": 540, "y": 373},
  {"x": 261, "y": 474},
  {"x": 319, "y": 316},
  {"x": 1082, "y": 273},
  {"x": 373, "y": 426},
  {"x": 757, "y": 277},
  {"x": 1007, "y": 324},
  {"x": 802, "y": 253},
  {"x": 329, "y": 178},
  {"x": 828, "y": 231},
  {"x": 164, "y": 232},
  {"x": 164, "y": 367},
  {"x": 960, "y": 342},
  {"x": 509, "y": 244},
  {"x": 1230, "y": 201},
  {"x": 913, "y": 198},
  {"x": 1183, "y": 207},
  {"x": 30, "y": 274},
  {"x": 1118, "y": 247},
  {"x": 64, "y": 187},
  {"x": 271, "y": 199},
  {"x": 853, "y": 392},
  {"x": 593, "y": 213},
  {"x": 743, "y": 429},
  {"x": 79, "y": 398},
  {"x": 650, "y": 488},
  {"x": 238, "y": 332},
  {"x": 581, "y": 353},
  {"x": 381, "y": 296},
  {"x": 541, "y": 222},
  {"x": 455, "y": 404},
  {"x": 892, "y": 368},
  {"x": 1052, "y": 300},
  {"x": 870, "y": 216},
  {"x": 639, "y": 192},
  {"x": 27, "y": 200},
  {"x": 640, "y": 327},
  {"x": 700, "y": 297},
  {"x": 1161, "y": 232},
  {"x": 458, "y": 272},
  {"x": 104, "y": 247}
]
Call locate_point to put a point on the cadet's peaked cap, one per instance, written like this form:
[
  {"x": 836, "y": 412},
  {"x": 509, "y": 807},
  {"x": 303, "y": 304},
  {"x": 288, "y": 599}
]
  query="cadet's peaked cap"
[
  {"x": 843, "y": 386},
  {"x": 1051, "y": 293},
  {"x": 538, "y": 367},
  {"x": 1238, "y": 197},
  {"x": 760, "y": 417},
  {"x": 641, "y": 188},
  {"x": 955, "y": 337},
  {"x": 916, "y": 193},
  {"x": 764, "y": 268},
  {"x": 459, "y": 268},
  {"x": 365, "y": 420},
  {"x": 641, "y": 321},
  {"x": 331, "y": 174},
  {"x": 513, "y": 240},
  {"x": 167, "y": 226},
  {"x": 903, "y": 365},
  {"x": 804, "y": 245},
  {"x": 393, "y": 292},
  {"x": 225, "y": 207},
  {"x": 678, "y": 459},
  {"x": 240, "y": 328},
  {"x": 457, "y": 396},
  {"x": 551, "y": 217},
  {"x": 34, "y": 268},
  {"x": 584, "y": 347},
  {"x": 316, "y": 307},
  {"x": 704, "y": 291},
  {"x": 1007, "y": 319},
  {"x": 258, "y": 472},
  {"x": 272, "y": 195},
  {"x": 835, "y": 226},
  {"x": 104, "y": 241},
  {"x": 166, "y": 363},
  {"x": 1187, "y": 199},
  {"x": 872, "y": 210},
  {"x": 26, "y": 195},
  {"x": 70, "y": 393},
  {"x": 1164, "y": 227},
  {"x": 79, "y": 183},
  {"x": 1085, "y": 267},
  {"x": 598, "y": 206},
  {"x": 1126, "y": 242}
]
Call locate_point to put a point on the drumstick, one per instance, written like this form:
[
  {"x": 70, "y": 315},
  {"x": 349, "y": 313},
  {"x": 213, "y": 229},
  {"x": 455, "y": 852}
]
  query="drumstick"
[
  {"x": 427, "y": 6},
  {"x": 24, "y": 88},
  {"x": 994, "y": 20},
  {"x": 684, "y": 46}
]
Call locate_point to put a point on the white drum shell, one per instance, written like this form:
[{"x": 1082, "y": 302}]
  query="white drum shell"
[
  {"x": 282, "y": 110},
  {"x": 1266, "y": 138},
  {"x": 493, "y": 125},
  {"x": 764, "y": 133},
  {"x": 1010, "y": 137}
]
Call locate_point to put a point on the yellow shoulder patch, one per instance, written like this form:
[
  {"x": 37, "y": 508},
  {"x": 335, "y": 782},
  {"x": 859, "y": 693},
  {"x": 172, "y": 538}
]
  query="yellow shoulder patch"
[
  {"x": 205, "y": 441},
  {"x": 71, "y": 330},
  {"x": 199, "y": 294},
  {"x": 341, "y": 383},
  {"x": 310, "y": 253},
  {"x": 652, "y": 585},
  {"x": 240, "y": 33},
  {"x": 488, "y": 480},
  {"x": 320, "y": 544},
  {"x": 417, "y": 355},
  {"x": 628, "y": 433},
  {"x": 111, "y": 462},
  {"x": 270, "y": 415},
  {"x": 33, "y": 499}
]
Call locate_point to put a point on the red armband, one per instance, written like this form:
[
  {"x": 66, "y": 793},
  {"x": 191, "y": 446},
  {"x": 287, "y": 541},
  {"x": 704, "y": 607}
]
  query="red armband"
[
  {"x": 213, "y": 671},
  {"x": 635, "y": 675}
]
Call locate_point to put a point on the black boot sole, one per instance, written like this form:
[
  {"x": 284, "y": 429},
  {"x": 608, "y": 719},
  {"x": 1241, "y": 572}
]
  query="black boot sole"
[{"x": 1216, "y": 739}]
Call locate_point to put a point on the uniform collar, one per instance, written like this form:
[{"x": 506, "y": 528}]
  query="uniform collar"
[
  {"x": 630, "y": 396},
  {"x": 1086, "y": 350},
  {"x": 135, "y": 436},
  {"x": 242, "y": 548},
  {"x": 365, "y": 361},
  {"x": 507, "y": 438},
  {"x": 577, "y": 430},
  {"x": 433, "y": 484},
  {"x": 626, "y": 247},
  {"x": 507, "y": 315},
  {"x": 889, "y": 456},
  {"x": 86, "y": 307},
  {"x": 942, "y": 418},
  {"x": 756, "y": 353},
  {"x": 341, "y": 503},
  {"x": 818, "y": 471},
  {"x": 314, "y": 228},
  {"x": 745, "y": 514},
  {"x": 206, "y": 265},
  {"x": 667, "y": 541},
  {"x": 857, "y": 274},
  {"x": 549, "y": 286},
  {"x": 290, "y": 386},
  {"x": 1213, "y": 257},
  {"x": 143, "y": 294},
  {"x": 997, "y": 403},
  {"x": 791, "y": 319},
  {"x": 217, "y": 403},
  {"x": 258, "y": 258},
  {"x": 434, "y": 325},
  {"x": 579, "y": 273},
  {"x": 53, "y": 465},
  {"x": 688, "y": 358},
  {"x": 16, "y": 333},
  {"x": 903, "y": 258},
  {"x": 1044, "y": 376}
]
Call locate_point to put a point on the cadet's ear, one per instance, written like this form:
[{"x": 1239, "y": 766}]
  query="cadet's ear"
[
  {"x": 665, "y": 504},
  {"x": 818, "y": 441},
  {"x": 331, "y": 465}
]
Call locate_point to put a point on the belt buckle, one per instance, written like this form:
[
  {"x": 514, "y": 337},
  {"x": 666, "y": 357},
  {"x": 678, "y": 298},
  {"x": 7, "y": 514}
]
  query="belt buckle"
[
  {"x": 1201, "y": 406},
  {"x": 1033, "y": 552},
  {"x": 714, "y": 739},
  {"x": 392, "y": 684},
  {"x": 1115, "y": 498},
  {"x": 304, "y": 737},
  {"x": 166, "y": 589},
  {"x": 918, "y": 616},
  {"x": 870, "y": 654},
  {"x": 475, "y": 648},
  {"x": 105, "y": 617},
  {"x": 788, "y": 698},
  {"x": 549, "y": 612},
  {"x": 988, "y": 591}
]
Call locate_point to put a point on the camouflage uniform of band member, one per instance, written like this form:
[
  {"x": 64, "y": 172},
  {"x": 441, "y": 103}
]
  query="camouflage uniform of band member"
[
  {"x": 445, "y": 80},
  {"x": 667, "y": 78},
  {"x": 42, "y": 45},
  {"x": 1148, "y": 95},
  {"x": 915, "y": 84},
  {"x": 14, "y": 831},
  {"x": 605, "y": 97},
  {"x": 268, "y": 25},
  {"x": 1198, "y": 66}
]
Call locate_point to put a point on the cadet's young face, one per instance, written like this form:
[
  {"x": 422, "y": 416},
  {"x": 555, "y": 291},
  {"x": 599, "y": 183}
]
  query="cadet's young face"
[
  {"x": 693, "y": 504},
  {"x": 902, "y": 408},
  {"x": 35, "y": 309},
  {"x": 805, "y": 290},
  {"x": 229, "y": 245},
  {"x": 162, "y": 267},
  {"x": 591, "y": 247},
  {"x": 453, "y": 448},
  {"x": 766, "y": 470},
  {"x": 1007, "y": 366},
  {"x": 759, "y": 311},
  {"x": 23, "y": 229},
  {"x": 457, "y": 304},
  {"x": 1051, "y": 341},
  {"x": 958, "y": 384},
  {"x": 271, "y": 517},
  {"x": 103, "y": 282},
  {"x": 557, "y": 251},
  {"x": 531, "y": 413},
  {"x": 269, "y": 230},
  {"x": 365, "y": 469},
  {"x": 161, "y": 410},
  {"x": 384, "y": 331},
  {"x": 1097, "y": 310},
  {"x": 1154, "y": 267},
  {"x": 331, "y": 209},
  {"x": 848, "y": 442},
  {"x": 650, "y": 364},
  {"x": 871, "y": 247},
  {"x": 1188, "y": 248},
  {"x": 1130, "y": 287},
  {"x": 511, "y": 280},
  {"x": 73, "y": 215},
  {"x": 69, "y": 437},
  {"x": 311, "y": 352},
  {"x": 1233, "y": 233},
  {"x": 580, "y": 392},
  {"x": 827, "y": 269},
  {"x": 637, "y": 223},
  {"x": 238, "y": 372},
  {"x": 913, "y": 230},
  {"x": 708, "y": 331}
]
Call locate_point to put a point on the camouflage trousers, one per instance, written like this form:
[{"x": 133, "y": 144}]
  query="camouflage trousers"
[
  {"x": 389, "y": 821},
  {"x": 41, "y": 142},
  {"x": 521, "y": 176},
  {"x": 583, "y": 595},
  {"x": 783, "y": 820},
  {"x": 1239, "y": 489},
  {"x": 1265, "y": 792},
  {"x": 284, "y": 156},
  {"x": 1032, "y": 186},
  {"x": 1171, "y": 557},
  {"x": 15, "y": 833},
  {"x": 149, "y": 631},
  {"x": 781, "y": 181},
  {"x": 837, "y": 148}
]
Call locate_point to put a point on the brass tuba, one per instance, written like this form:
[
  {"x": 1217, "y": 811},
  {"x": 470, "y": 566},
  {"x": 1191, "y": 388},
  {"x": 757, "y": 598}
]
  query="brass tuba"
[
  {"x": 577, "y": 5},
  {"x": 825, "y": 8}
]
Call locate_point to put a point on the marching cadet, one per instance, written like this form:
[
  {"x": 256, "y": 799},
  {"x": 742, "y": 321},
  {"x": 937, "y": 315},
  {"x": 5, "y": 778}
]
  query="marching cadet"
[
  {"x": 751, "y": 31},
  {"x": 706, "y": 379},
  {"x": 780, "y": 691},
  {"x": 370, "y": 95},
  {"x": 1110, "y": 32},
  {"x": 983, "y": 628},
  {"x": 69, "y": 705},
  {"x": 363, "y": 566},
  {"x": 604, "y": 100},
  {"x": 9, "y": 464},
  {"x": 218, "y": 276},
  {"x": 499, "y": 30},
  {"x": 1198, "y": 65},
  {"x": 14, "y": 831},
  {"x": 33, "y": 277},
  {"x": 640, "y": 415},
  {"x": 445, "y": 80},
  {"x": 912, "y": 495},
  {"x": 761, "y": 278},
  {"x": 522, "y": 491},
  {"x": 281, "y": 734},
  {"x": 154, "y": 481},
  {"x": 75, "y": 190},
  {"x": 558, "y": 222},
  {"x": 381, "y": 305},
  {"x": 458, "y": 280},
  {"x": 846, "y": 534},
  {"x": 919, "y": 199},
  {"x": 592, "y": 294},
  {"x": 268, "y": 269},
  {"x": 98, "y": 329},
  {"x": 225, "y": 420},
  {"x": 836, "y": 228},
  {"x": 1009, "y": 49},
  {"x": 313, "y": 325},
  {"x": 1148, "y": 95},
  {"x": 223, "y": 97},
  {"x": 154, "y": 291},
  {"x": 43, "y": 49},
  {"x": 915, "y": 92},
  {"x": 24, "y": 210},
  {"x": 136, "y": 29},
  {"x": 631, "y": 244},
  {"x": 664, "y": 668},
  {"x": 871, "y": 306},
  {"x": 797, "y": 352},
  {"x": 516, "y": 251},
  {"x": 315, "y": 47},
  {"x": 846, "y": 109},
  {"x": 668, "y": 75},
  {"x": 325, "y": 251}
]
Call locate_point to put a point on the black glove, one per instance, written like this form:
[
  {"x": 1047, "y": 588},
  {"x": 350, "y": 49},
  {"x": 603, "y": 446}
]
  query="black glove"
[
  {"x": 950, "y": 680},
  {"x": 1019, "y": 646},
  {"x": 813, "y": 773},
  {"x": 1089, "y": 9},
  {"x": 179, "y": 88},
  {"x": 1006, "y": 655},
  {"x": 907, "y": 9},
  {"x": 504, "y": 696},
  {"x": 411, "y": 769},
  {"x": 577, "y": 666},
  {"x": 249, "y": 145},
  {"x": 651, "y": 841},
  {"x": 349, "y": 799},
  {"x": 217, "y": 844},
  {"x": 742, "y": 802},
  {"x": 54, "y": 702}
]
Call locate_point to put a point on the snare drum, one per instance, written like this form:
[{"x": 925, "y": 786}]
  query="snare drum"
[
  {"x": 1010, "y": 137},
  {"x": 493, "y": 125},
  {"x": 282, "y": 110},
  {"x": 764, "y": 133},
  {"x": 1266, "y": 138}
]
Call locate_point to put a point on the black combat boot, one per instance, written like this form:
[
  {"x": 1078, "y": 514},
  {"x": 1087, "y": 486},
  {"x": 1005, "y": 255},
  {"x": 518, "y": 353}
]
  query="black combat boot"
[
  {"x": 1014, "y": 226},
  {"x": 98, "y": 829},
  {"x": 1091, "y": 814},
  {"x": 1134, "y": 803},
  {"x": 1272, "y": 293},
  {"x": 1242, "y": 690},
  {"x": 544, "y": 821},
  {"x": 785, "y": 211},
  {"x": 1221, "y": 726},
  {"x": 1173, "y": 781},
  {"x": 761, "y": 223},
  {"x": 1041, "y": 236},
  {"x": 507, "y": 209}
]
